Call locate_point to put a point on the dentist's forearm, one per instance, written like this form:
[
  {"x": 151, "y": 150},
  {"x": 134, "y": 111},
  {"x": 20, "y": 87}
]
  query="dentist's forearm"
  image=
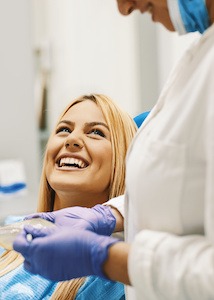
[{"x": 116, "y": 265}]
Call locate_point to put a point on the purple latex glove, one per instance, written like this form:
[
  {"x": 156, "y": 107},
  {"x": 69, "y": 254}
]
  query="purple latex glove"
[
  {"x": 98, "y": 219},
  {"x": 62, "y": 253}
]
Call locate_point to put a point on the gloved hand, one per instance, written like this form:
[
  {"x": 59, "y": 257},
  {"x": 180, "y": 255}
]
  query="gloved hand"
[
  {"x": 98, "y": 219},
  {"x": 62, "y": 253}
]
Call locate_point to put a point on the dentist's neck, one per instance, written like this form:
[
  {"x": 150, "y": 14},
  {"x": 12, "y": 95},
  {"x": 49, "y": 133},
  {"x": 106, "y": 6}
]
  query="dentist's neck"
[{"x": 210, "y": 8}]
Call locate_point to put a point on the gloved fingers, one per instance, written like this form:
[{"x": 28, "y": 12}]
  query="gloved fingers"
[
  {"x": 36, "y": 232},
  {"x": 32, "y": 216},
  {"x": 21, "y": 243},
  {"x": 106, "y": 220},
  {"x": 49, "y": 216}
]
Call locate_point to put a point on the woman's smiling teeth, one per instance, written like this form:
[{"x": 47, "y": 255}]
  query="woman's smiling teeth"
[{"x": 71, "y": 163}]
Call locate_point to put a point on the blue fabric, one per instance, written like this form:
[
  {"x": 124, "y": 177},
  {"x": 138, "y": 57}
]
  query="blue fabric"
[
  {"x": 140, "y": 118},
  {"x": 194, "y": 15},
  {"x": 21, "y": 285},
  {"x": 98, "y": 288}
]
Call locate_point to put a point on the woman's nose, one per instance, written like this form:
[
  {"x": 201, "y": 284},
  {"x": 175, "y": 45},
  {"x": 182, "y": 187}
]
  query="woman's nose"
[
  {"x": 125, "y": 7},
  {"x": 74, "y": 142}
]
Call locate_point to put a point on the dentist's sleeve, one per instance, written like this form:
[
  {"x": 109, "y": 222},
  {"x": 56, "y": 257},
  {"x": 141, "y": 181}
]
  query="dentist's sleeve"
[
  {"x": 118, "y": 203},
  {"x": 164, "y": 266}
]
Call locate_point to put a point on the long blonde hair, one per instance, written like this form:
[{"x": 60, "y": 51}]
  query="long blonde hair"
[{"x": 122, "y": 129}]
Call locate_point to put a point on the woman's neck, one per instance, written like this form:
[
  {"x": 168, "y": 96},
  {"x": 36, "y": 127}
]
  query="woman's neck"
[{"x": 84, "y": 200}]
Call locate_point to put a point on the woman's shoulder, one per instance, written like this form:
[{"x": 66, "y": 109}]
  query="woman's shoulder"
[
  {"x": 100, "y": 288},
  {"x": 22, "y": 283}
]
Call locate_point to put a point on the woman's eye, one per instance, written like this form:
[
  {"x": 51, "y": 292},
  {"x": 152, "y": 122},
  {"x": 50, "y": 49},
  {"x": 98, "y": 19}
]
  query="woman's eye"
[
  {"x": 63, "y": 129},
  {"x": 97, "y": 132}
]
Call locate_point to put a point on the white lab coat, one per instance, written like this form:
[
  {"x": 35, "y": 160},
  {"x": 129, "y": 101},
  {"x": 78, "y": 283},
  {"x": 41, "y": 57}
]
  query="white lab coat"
[{"x": 170, "y": 186}]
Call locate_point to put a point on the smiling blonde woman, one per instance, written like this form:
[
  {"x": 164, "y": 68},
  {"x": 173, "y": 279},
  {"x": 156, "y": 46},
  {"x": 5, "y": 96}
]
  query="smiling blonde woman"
[{"x": 84, "y": 164}]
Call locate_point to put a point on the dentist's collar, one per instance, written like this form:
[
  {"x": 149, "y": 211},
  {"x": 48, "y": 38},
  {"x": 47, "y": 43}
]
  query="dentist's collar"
[{"x": 188, "y": 15}]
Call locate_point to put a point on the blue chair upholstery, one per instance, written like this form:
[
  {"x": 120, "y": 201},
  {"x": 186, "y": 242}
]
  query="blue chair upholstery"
[{"x": 140, "y": 118}]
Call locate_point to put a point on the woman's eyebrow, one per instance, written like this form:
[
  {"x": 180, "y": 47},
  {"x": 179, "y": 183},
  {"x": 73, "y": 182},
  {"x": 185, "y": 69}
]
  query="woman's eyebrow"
[
  {"x": 66, "y": 121},
  {"x": 86, "y": 124},
  {"x": 97, "y": 123}
]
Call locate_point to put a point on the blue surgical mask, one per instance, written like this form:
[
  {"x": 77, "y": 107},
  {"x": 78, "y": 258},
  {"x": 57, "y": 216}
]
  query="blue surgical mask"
[{"x": 188, "y": 15}]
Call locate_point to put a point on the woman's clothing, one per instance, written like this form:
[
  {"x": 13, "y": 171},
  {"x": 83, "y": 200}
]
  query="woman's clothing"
[
  {"x": 100, "y": 289},
  {"x": 170, "y": 186},
  {"x": 21, "y": 285}
]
